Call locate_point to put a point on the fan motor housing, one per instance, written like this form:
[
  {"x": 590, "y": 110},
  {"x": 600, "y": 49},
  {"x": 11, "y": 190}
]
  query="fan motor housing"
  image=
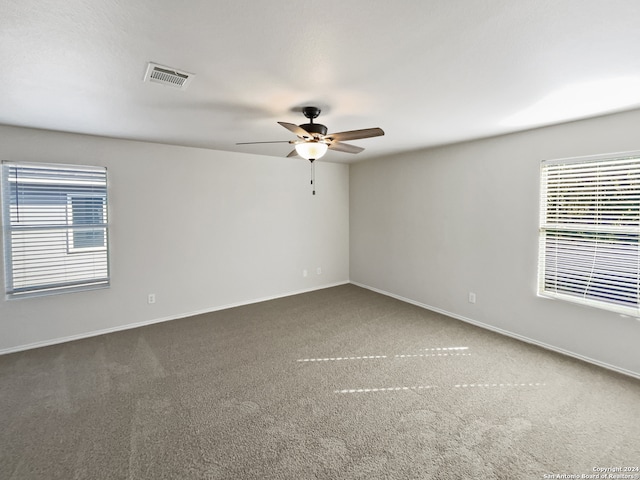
[{"x": 314, "y": 128}]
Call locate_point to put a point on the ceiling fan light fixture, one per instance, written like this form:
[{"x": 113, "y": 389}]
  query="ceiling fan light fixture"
[{"x": 311, "y": 150}]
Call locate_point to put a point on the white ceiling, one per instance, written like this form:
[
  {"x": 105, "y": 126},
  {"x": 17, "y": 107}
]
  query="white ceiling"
[{"x": 428, "y": 72}]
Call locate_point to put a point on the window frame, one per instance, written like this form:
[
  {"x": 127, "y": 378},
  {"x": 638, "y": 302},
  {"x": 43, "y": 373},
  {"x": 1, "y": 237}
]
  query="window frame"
[
  {"x": 616, "y": 237},
  {"x": 44, "y": 235}
]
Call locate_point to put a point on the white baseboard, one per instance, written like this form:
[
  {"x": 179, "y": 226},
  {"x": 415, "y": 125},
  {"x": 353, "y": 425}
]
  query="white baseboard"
[
  {"x": 95, "y": 333},
  {"x": 503, "y": 332}
]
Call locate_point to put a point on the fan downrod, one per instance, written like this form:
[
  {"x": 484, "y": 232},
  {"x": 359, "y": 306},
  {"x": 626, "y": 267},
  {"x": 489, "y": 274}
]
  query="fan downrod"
[{"x": 317, "y": 128}]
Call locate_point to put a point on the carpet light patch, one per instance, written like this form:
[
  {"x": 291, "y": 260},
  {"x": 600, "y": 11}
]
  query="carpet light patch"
[
  {"x": 446, "y": 348},
  {"x": 337, "y": 359},
  {"x": 429, "y": 387},
  {"x": 498, "y": 385},
  {"x": 384, "y": 389},
  {"x": 434, "y": 355}
]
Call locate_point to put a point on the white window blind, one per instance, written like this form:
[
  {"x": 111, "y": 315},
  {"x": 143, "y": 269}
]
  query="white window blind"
[
  {"x": 55, "y": 228},
  {"x": 589, "y": 231}
]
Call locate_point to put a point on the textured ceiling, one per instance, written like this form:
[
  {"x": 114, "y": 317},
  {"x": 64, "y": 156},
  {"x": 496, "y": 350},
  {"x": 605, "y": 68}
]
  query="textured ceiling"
[{"x": 428, "y": 72}]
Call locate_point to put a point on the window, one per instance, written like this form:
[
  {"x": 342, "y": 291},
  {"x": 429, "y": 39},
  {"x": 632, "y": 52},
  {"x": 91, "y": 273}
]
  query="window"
[
  {"x": 589, "y": 231},
  {"x": 55, "y": 228},
  {"x": 90, "y": 211}
]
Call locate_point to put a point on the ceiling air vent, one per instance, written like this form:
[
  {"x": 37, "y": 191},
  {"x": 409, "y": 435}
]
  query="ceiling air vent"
[{"x": 167, "y": 76}]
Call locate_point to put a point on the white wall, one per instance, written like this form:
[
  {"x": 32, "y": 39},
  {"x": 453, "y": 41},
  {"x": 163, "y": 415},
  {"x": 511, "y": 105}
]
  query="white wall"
[
  {"x": 433, "y": 225},
  {"x": 201, "y": 229}
]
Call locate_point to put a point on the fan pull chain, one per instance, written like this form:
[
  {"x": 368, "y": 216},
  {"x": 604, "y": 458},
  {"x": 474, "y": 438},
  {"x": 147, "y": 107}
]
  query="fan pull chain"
[{"x": 313, "y": 176}]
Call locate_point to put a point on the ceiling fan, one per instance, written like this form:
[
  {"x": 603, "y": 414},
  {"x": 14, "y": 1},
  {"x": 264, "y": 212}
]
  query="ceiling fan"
[{"x": 313, "y": 141}]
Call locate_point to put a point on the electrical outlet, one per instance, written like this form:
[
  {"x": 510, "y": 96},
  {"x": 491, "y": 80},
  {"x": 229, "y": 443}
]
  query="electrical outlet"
[
  {"x": 319, "y": 271},
  {"x": 305, "y": 273},
  {"x": 472, "y": 297},
  {"x": 151, "y": 298}
]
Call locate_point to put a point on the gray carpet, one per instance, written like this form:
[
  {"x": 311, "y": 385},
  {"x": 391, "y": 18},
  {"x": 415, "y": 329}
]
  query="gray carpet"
[{"x": 341, "y": 383}]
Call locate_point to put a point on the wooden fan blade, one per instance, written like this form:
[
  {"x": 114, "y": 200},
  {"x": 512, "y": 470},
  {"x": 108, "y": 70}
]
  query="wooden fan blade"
[
  {"x": 345, "y": 147},
  {"x": 254, "y": 143},
  {"x": 293, "y": 153},
  {"x": 299, "y": 131},
  {"x": 355, "y": 134}
]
